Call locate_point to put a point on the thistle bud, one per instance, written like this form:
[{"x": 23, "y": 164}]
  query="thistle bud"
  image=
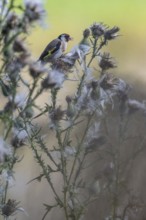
[
  {"x": 111, "y": 34},
  {"x": 18, "y": 46},
  {"x": 97, "y": 30},
  {"x": 86, "y": 33},
  {"x": 106, "y": 62}
]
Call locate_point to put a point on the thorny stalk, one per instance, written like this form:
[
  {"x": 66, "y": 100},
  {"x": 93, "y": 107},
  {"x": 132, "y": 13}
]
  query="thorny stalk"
[{"x": 90, "y": 107}]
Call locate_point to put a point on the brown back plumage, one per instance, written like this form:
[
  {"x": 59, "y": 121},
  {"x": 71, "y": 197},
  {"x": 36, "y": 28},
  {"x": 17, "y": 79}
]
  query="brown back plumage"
[{"x": 51, "y": 48}]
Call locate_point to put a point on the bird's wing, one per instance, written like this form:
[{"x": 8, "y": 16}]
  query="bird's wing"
[{"x": 51, "y": 48}]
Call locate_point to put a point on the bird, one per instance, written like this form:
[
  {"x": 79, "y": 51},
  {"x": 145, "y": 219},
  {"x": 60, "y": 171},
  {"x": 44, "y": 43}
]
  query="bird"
[{"x": 55, "y": 48}]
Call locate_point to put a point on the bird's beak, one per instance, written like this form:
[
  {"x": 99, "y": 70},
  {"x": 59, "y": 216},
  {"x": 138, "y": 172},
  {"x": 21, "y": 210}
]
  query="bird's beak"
[{"x": 70, "y": 38}]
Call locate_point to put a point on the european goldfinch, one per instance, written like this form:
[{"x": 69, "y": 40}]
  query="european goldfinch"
[{"x": 55, "y": 48}]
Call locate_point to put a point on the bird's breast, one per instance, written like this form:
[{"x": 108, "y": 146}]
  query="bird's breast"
[
  {"x": 64, "y": 46},
  {"x": 58, "y": 53}
]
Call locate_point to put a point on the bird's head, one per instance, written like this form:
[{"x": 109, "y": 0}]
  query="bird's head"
[{"x": 65, "y": 37}]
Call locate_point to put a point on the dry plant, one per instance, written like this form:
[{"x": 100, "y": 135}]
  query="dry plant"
[{"x": 90, "y": 108}]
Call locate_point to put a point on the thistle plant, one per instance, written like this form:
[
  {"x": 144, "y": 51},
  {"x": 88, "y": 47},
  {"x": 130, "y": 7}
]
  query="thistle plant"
[
  {"x": 82, "y": 128},
  {"x": 15, "y": 23}
]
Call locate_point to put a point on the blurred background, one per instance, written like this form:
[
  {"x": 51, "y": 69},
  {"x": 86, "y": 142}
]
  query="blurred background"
[
  {"x": 129, "y": 49},
  {"x": 75, "y": 15}
]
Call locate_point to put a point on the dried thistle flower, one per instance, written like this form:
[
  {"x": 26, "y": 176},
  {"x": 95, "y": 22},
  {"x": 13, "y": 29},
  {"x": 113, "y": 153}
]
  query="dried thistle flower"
[
  {"x": 69, "y": 151},
  {"x": 20, "y": 133},
  {"x": 65, "y": 63},
  {"x": 46, "y": 84},
  {"x": 56, "y": 115},
  {"x": 88, "y": 99},
  {"x": 94, "y": 87},
  {"x": 4, "y": 150},
  {"x": 97, "y": 30},
  {"x": 6, "y": 176},
  {"x": 16, "y": 142},
  {"x": 121, "y": 88},
  {"x": 36, "y": 69},
  {"x": 14, "y": 65},
  {"x": 108, "y": 81},
  {"x": 21, "y": 130},
  {"x": 9, "y": 107},
  {"x": 34, "y": 11},
  {"x": 54, "y": 79},
  {"x": 23, "y": 59},
  {"x": 134, "y": 105},
  {"x": 11, "y": 23},
  {"x": 19, "y": 46},
  {"x": 12, "y": 68},
  {"x": 94, "y": 84},
  {"x": 106, "y": 62},
  {"x": 112, "y": 33},
  {"x": 70, "y": 112},
  {"x": 21, "y": 99},
  {"x": 82, "y": 99},
  {"x": 10, "y": 207},
  {"x": 28, "y": 113},
  {"x": 68, "y": 99}
]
